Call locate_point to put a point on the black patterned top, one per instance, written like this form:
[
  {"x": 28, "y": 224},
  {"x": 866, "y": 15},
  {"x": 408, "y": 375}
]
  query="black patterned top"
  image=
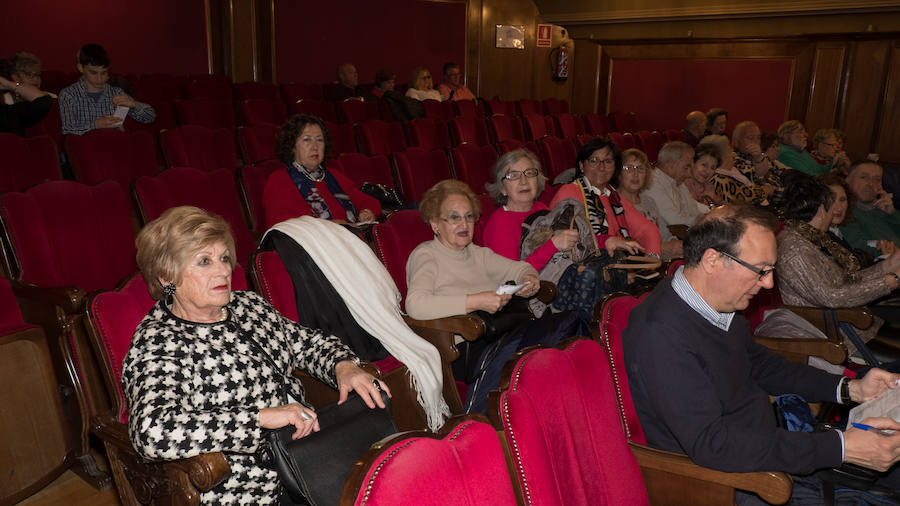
[{"x": 195, "y": 388}]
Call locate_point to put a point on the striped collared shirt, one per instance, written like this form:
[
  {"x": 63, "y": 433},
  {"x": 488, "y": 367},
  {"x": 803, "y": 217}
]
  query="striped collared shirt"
[{"x": 684, "y": 290}]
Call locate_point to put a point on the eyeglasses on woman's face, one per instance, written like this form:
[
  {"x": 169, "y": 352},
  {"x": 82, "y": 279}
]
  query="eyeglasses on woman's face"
[
  {"x": 630, "y": 168},
  {"x": 596, "y": 161},
  {"x": 515, "y": 175},
  {"x": 456, "y": 219}
]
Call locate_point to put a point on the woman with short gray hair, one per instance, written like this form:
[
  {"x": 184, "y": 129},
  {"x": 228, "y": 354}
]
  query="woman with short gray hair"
[{"x": 517, "y": 183}]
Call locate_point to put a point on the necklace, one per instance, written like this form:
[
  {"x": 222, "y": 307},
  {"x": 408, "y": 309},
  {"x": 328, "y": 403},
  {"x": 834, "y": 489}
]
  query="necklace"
[{"x": 316, "y": 179}]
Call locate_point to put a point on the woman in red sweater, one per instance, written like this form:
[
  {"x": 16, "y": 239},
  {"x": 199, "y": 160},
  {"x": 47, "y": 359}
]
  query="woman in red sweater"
[
  {"x": 517, "y": 183},
  {"x": 305, "y": 187}
]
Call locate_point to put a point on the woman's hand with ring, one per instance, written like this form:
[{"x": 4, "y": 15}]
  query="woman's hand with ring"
[
  {"x": 302, "y": 418},
  {"x": 351, "y": 377},
  {"x": 534, "y": 284}
]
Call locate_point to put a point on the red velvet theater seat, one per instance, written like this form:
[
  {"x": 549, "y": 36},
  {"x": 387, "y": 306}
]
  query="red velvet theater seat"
[
  {"x": 319, "y": 108},
  {"x": 473, "y": 164},
  {"x": 555, "y": 106},
  {"x": 293, "y": 92},
  {"x": 252, "y": 182},
  {"x": 435, "y": 109},
  {"x": 25, "y": 162},
  {"x": 381, "y": 138},
  {"x": 428, "y": 133},
  {"x": 51, "y": 126},
  {"x": 215, "y": 191},
  {"x": 469, "y": 130},
  {"x": 566, "y": 449},
  {"x": 418, "y": 170},
  {"x": 258, "y": 143},
  {"x": 112, "y": 154},
  {"x": 557, "y": 155},
  {"x": 365, "y": 169},
  {"x": 566, "y": 126},
  {"x": 199, "y": 147},
  {"x": 535, "y": 127},
  {"x": 343, "y": 139},
  {"x": 262, "y": 112},
  {"x": 504, "y": 128},
  {"x": 596, "y": 124},
  {"x": 256, "y": 91},
  {"x": 209, "y": 86},
  {"x": 63, "y": 233},
  {"x": 353, "y": 111},
  {"x": 463, "y": 465},
  {"x": 207, "y": 112}
]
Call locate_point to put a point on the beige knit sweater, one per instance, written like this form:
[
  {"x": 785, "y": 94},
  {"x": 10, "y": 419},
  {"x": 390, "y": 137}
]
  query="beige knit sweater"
[{"x": 439, "y": 278}]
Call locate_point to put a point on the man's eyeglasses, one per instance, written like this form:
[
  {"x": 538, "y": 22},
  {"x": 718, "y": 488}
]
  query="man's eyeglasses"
[
  {"x": 515, "y": 175},
  {"x": 762, "y": 273},
  {"x": 594, "y": 161},
  {"x": 455, "y": 219}
]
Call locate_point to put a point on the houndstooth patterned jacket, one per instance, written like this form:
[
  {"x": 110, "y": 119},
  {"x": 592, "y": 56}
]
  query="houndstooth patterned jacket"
[{"x": 195, "y": 388}]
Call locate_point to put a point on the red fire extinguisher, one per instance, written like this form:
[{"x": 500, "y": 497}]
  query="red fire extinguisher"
[{"x": 560, "y": 62}]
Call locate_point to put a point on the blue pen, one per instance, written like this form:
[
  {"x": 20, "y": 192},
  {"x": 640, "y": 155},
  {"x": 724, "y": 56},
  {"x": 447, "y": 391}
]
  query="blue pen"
[{"x": 883, "y": 432}]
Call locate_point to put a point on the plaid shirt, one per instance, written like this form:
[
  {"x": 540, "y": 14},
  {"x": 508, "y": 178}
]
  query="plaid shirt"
[{"x": 79, "y": 111}]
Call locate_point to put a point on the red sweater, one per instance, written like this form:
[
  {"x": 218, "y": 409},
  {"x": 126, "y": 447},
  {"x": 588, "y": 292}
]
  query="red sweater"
[
  {"x": 503, "y": 234},
  {"x": 282, "y": 199},
  {"x": 639, "y": 228}
]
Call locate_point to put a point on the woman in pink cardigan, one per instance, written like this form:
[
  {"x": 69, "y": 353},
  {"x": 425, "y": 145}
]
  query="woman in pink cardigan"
[
  {"x": 518, "y": 181},
  {"x": 615, "y": 221}
]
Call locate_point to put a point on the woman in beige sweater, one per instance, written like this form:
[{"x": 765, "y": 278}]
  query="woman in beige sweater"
[{"x": 449, "y": 275}]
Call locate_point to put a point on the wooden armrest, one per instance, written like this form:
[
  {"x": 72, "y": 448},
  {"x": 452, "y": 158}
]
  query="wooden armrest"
[
  {"x": 70, "y": 298},
  {"x": 773, "y": 487},
  {"x": 469, "y": 326},
  {"x": 800, "y": 349},
  {"x": 547, "y": 292},
  {"x": 859, "y": 317},
  {"x": 205, "y": 471}
]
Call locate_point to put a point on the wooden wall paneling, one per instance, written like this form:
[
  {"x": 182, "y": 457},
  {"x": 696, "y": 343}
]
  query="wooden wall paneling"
[
  {"x": 888, "y": 133},
  {"x": 861, "y": 95},
  {"x": 244, "y": 63},
  {"x": 265, "y": 40},
  {"x": 507, "y": 72},
  {"x": 585, "y": 77},
  {"x": 544, "y": 86},
  {"x": 825, "y": 84},
  {"x": 218, "y": 36},
  {"x": 474, "y": 44}
]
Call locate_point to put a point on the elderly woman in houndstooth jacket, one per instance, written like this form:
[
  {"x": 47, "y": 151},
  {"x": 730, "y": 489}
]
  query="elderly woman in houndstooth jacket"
[{"x": 206, "y": 366}]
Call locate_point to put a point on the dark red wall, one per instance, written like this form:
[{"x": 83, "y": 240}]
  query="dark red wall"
[
  {"x": 662, "y": 92},
  {"x": 312, "y": 38},
  {"x": 160, "y": 36}
]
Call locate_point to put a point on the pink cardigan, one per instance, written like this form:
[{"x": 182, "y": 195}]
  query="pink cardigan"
[
  {"x": 503, "y": 234},
  {"x": 639, "y": 228}
]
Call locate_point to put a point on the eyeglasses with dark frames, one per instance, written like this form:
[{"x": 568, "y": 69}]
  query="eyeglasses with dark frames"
[
  {"x": 762, "y": 273},
  {"x": 515, "y": 175}
]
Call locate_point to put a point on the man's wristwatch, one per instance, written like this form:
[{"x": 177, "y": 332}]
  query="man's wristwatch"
[{"x": 845, "y": 391}]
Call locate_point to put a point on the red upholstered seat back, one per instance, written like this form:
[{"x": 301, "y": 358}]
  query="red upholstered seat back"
[
  {"x": 535, "y": 126},
  {"x": 262, "y": 112},
  {"x": 618, "y": 139},
  {"x": 252, "y": 180},
  {"x": 114, "y": 316},
  {"x": 343, "y": 139},
  {"x": 465, "y": 108},
  {"x": 394, "y": 241},
  {"x": 214, "y": 191},
  {"x": 111, "y": 154},
  {"x": 210, "y": 87},
  {"x": 556, "y": 106},
  {"x": 434, "y": 109},
  {"x": 568, "y": 449},
  {"x": 355, "y": 111},
  {"x": 623, "y": 121},
  {"x": 320, "y": 108},
  {"x": 511, "y": 144},
  {"x": 760, "y": 303},
  {"x": 629, "y": 141},
  {"x": 366, "y": 169},
  {"x": 473, "y": 164},
  {"x": 51, "y": 125},
  {"x": 557, "y": 155},
  {"x": 67, "y": 233},
  {"x": 24, "y": 162},
  {"x": 613, "y": 321},
  {"x": 200, "y": 147},
  {"x": 465, "y": 467},
  {"x": 292, "y": 92},
  {"x": 258, "y": 143},
  {"x": 469, "y": 130},
  {"x": 256, "y": 91},
  {"x": 650, "y": 144},
  {"x": 566, "y": 126},
  {"x": 207, "y": 112},
  {"x": 527, "y": 106},
  {"x": 419, "y": 170},
  {"x": 11, "y": 320},
  {"x": 596, "y": 124},
  {"x": 503, "y": 128},
  {"x": 428, "y": 133},
  {"x": 380, "y": 138}
]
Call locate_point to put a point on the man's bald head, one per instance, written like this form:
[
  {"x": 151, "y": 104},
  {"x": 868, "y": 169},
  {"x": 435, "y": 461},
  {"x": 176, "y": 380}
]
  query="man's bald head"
[
  {"x": 347, "y": 75},
  {"x": 695, "y": 123}
]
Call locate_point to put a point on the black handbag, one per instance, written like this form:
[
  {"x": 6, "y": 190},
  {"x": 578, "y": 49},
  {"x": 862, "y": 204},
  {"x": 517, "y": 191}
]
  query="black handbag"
[
  {"x": 313, "y": 469},
  {"x": 389, "y": 198}
]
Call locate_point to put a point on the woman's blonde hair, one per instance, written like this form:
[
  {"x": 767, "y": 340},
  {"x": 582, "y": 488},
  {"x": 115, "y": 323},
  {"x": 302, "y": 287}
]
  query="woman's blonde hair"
[
  {"x": 643, "y": 160},
  {"x": 430, "y": 205},
  {"x": 165, "y": 244}
]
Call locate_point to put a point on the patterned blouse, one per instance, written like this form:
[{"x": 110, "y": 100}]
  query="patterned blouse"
[{"x": 195, "y": 388}]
